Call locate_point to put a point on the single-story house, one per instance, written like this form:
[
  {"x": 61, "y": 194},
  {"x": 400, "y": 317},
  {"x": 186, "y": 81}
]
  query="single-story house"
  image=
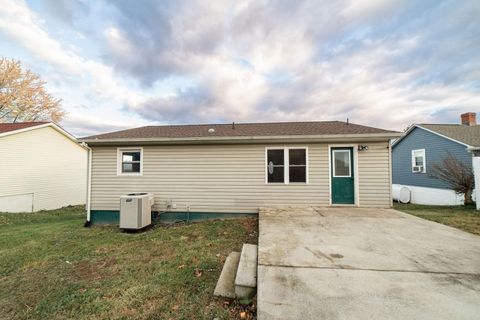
[
  {"x": 424, "y": 145},
  {"x": 43, "y": 167},
  {"x": 237, "y": 168}
]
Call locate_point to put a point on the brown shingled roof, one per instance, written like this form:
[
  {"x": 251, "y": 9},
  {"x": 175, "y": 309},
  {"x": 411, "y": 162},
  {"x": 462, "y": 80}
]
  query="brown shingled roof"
[
  {"x": 466, "y": 134},
  {"x": 241, "y": 130},
  {"x": 6, "y": 127}
]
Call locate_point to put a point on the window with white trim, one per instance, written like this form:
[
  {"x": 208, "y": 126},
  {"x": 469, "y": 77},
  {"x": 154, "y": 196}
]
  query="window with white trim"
[
  {"x": 287, "y": 165},
  {"x": 342, "y": 163},
  {"x": 419, "y": 161},
  {"x": 297, "y": 167},
  {"x": 130, "y": 161}
]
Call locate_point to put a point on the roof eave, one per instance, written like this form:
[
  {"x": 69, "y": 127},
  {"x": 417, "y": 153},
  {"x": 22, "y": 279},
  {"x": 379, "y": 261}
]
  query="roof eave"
[
  {"x": 246, "y": 139},
  {"x": 30, "y": 128},
  {"x": 44, "y": 125}
]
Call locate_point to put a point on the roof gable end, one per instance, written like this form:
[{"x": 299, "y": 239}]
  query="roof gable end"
[
  {"x": 7, "y": 129},
  {"x": 423, "y": 127}
]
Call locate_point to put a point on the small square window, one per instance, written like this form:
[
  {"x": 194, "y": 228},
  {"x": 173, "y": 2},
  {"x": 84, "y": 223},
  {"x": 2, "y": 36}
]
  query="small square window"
[{"x": 130, "y": 162}]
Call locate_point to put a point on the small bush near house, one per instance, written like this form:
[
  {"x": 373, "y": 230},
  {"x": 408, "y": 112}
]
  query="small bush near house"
[
  {"x": 51, "y": 267},
  {"x": 458, "y": 175},
  {"x": 462, "y": 217}
]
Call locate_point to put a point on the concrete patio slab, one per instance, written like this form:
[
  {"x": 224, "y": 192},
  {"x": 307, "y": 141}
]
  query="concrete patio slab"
[{"x": 357, "y": 263}]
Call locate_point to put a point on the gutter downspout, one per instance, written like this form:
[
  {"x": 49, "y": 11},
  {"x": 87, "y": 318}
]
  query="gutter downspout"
[{"x": 89, "y": 184}]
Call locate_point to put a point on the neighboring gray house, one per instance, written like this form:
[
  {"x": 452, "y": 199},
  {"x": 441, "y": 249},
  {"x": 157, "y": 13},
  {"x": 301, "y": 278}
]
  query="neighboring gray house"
[
  {"x": 228, "y": 169},
  {"x": 423, "y": 145}
]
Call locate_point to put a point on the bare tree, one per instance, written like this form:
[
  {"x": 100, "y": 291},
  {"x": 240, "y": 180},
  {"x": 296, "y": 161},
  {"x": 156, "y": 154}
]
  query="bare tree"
[
  {"x": 457, "y": 175},
  {"x": 23, "y": 96}
]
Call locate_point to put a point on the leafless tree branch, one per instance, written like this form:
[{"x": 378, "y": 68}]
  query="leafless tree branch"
[{"x": 457, "y": 175}]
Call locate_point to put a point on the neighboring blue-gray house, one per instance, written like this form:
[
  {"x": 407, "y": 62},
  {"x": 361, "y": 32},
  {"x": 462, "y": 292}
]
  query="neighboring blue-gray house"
[{"x": 422, "y": 145}]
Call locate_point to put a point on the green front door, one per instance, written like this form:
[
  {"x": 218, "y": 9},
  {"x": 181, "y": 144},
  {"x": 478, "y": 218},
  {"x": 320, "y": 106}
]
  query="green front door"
[{"x": 343, "y": 186}]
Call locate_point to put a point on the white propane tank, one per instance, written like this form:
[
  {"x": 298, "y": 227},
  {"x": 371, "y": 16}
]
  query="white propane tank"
[{"x": 401, "y": 193}]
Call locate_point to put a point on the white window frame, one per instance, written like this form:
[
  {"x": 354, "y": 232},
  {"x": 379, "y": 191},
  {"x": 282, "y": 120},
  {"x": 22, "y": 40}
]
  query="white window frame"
[
  {"x": 120, "y": 152},
  {"x": 349, "y": 161},
  {"x": 423, "y": 153},
  {"x": 286, "y": 165}
]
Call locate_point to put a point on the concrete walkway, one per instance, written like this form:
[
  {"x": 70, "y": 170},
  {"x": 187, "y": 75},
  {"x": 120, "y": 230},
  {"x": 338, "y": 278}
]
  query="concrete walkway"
[{"x": 357, "y": 263}]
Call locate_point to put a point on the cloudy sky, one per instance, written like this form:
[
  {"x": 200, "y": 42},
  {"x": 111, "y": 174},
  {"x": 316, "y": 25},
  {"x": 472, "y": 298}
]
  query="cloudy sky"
[{"x": 118, "y": 64}]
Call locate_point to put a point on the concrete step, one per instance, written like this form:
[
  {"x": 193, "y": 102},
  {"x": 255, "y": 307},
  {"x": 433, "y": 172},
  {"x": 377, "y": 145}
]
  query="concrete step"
[
  {"x": 226, "y": 283},
  {"x": 246, "y": 278}
]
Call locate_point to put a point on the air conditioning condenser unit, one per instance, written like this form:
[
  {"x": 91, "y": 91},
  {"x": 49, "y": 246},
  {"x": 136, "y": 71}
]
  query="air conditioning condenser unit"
[
  {"x": 136, "y": 210},
  {"x": 418, "y": 169}
]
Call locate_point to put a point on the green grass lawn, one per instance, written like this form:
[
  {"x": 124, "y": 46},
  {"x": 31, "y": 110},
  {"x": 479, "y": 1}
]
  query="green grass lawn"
[
  {"x": 51, "y": 267},
  {"x": 461, "y": 217}
]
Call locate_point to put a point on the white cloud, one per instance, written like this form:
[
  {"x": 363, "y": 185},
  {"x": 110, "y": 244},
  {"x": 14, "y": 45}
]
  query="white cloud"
[
  {"x": 355, "y": 9},
  {"x": 381, "y": 63},
  {"x": 71, "y": 71},
  {"x": 19, "y": 23},
  {"x": 82, "y": 126}
]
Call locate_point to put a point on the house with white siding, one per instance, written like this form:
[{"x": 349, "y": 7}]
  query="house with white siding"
[
  {"x": 231, "y": 169},
  {"x": 43, "y": 167}
]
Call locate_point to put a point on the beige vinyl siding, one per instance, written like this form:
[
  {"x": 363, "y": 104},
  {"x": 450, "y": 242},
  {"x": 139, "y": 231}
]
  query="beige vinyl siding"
[
  {"x": 45, "y": 163},
  {"x": 219, "y": 178},
  {"x": 374, "y": 175}
]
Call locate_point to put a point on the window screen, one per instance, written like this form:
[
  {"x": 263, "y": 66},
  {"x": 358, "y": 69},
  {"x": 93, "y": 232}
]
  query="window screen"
[
  {"x": 276, "y": 165},
  {"x": 298, "y": 165}
]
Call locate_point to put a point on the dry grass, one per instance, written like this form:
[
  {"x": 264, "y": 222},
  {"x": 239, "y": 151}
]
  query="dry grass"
[{"x": 462, "y": 217}]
